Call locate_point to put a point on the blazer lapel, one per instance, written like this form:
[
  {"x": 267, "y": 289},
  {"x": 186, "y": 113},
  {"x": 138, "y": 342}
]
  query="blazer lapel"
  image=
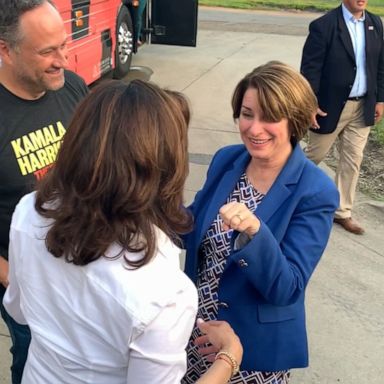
[
  {"x": 281, "y": 190},
  {"x": 344, "y": 35},
  {"x": 224, "y": 188},
  {"x": 272, "y": 200}
]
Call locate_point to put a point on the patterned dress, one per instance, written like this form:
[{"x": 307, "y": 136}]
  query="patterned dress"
[{"x": 215, "y": 249}]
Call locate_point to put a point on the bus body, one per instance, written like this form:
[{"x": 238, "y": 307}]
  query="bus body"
[{"x": 102, "y": 34}]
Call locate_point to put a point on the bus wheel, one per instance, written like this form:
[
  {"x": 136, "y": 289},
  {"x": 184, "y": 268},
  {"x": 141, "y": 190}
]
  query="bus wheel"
[{"x": 124, "y": 43}]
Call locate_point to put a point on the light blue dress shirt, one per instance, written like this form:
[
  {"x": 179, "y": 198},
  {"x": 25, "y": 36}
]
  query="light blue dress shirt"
[{"x": 357, "y": 33}]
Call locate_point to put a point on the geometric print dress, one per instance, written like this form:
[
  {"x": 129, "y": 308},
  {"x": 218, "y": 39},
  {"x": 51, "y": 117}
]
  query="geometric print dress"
[{"x": 214, "y": 250}]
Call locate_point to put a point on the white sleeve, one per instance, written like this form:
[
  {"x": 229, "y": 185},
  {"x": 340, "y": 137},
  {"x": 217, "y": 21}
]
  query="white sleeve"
[
  {"x": 11, "y": 299},
  {"x": 158, "y": 355}
]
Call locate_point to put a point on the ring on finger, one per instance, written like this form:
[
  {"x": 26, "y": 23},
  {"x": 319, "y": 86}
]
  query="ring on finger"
[{"x": 239, "y": 216}]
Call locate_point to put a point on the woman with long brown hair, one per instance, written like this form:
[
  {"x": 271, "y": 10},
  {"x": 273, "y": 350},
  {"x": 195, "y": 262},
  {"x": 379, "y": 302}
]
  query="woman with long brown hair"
[{"x": 94, "y": 266}]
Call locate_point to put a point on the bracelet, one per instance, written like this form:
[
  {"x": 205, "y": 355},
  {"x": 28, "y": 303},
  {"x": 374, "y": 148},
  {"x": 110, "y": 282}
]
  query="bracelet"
[
  {"x": 234, "y": 364},
  {"x": 226, "y": 360}
]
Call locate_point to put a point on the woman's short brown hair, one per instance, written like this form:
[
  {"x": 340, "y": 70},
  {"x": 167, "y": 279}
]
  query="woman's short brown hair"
[
  {"x": 119, "y": 173},
  {"x": 282, "y": 93}
]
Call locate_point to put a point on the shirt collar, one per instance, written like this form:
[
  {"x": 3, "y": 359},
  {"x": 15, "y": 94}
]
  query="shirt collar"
[{"x": 348, "y": 15}]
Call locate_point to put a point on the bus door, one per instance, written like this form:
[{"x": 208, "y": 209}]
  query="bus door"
[
  {"x": 173, "y": 22},
  {"x": 90, "y": 25}
]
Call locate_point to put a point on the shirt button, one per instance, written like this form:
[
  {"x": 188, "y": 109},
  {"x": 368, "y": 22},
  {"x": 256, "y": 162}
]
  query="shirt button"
[
  {"x": 242, "y": 263},
  {"x": 221, "y": 304}
]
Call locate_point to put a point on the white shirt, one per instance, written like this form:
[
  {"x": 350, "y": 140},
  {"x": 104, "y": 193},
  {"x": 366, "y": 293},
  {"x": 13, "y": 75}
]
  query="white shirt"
[
  {"x": 101, "y": 323},
  {"x": 357, "y": 33}
]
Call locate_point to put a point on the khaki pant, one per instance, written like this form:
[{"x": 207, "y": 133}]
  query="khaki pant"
[{"x": 352, "y": 139}]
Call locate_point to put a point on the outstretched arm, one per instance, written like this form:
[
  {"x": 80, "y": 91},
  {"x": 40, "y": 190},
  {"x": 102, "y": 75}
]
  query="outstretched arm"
[{"x": 157, "y": 355}]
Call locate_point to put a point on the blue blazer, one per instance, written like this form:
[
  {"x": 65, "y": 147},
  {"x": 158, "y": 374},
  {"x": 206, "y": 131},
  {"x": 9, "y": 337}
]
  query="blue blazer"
[{"x": 261, "y": 291}]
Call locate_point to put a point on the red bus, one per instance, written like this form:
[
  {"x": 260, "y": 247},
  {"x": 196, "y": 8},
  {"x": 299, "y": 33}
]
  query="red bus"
[{"x": 102, "y": 33}]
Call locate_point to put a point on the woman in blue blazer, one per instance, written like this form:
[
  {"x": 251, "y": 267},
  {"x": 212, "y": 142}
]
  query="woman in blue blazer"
[{"x": 262, "y": 221}]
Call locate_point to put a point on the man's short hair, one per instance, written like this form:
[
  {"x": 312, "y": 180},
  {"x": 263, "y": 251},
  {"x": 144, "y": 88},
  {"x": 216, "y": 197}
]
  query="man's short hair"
[{"x": 11, "y": 11}]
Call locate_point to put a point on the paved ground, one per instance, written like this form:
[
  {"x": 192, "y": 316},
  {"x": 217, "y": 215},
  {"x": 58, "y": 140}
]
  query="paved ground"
[{"x": 345, "y": 299}]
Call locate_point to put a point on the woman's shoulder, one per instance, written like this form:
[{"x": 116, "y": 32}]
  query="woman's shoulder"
[
  {"x": 309, "y": 180},
  {"x": 306, "y": 172},
  {"x": 317, "y": 177},
  {"x": 317, "y": 186},
  {"x": 26, "y": 202},
  {"x": 25, "y": 217}
]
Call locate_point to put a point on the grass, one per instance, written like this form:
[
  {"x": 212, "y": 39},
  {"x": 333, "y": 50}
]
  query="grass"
[
  {"x": 378, "y": 132},
  {"x": 375, "y": 6}
]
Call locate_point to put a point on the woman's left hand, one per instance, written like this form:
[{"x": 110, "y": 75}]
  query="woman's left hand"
[
  {"x": 218, "y": 335},
  {"x": 238, "y": 217}
]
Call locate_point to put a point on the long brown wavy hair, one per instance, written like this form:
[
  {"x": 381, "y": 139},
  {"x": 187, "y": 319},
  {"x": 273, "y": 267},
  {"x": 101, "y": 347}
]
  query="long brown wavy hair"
[{"x": 119, "y": 173}]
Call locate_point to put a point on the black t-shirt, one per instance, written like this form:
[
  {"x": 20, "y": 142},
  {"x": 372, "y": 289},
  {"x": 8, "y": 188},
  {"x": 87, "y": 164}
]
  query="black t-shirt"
[{"x": 31, "y": 133}]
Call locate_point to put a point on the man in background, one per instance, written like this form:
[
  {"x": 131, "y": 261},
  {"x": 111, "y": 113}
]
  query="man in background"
[
  {"x": 37, "y": 98},
  {"x": 343, "y": 60}
]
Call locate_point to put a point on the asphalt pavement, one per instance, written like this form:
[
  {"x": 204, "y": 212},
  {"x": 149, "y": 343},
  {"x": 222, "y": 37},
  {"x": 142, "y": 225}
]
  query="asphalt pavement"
[{"x": 345, "y": 297}]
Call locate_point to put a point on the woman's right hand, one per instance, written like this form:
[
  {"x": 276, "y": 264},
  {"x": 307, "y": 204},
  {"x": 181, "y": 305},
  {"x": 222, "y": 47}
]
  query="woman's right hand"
[
  {"x": 238, "y": 217},
  {"x": 218, "y": 336}
]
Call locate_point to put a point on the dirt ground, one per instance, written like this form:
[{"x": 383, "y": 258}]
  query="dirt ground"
[{"x": 371, "y": 179}]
